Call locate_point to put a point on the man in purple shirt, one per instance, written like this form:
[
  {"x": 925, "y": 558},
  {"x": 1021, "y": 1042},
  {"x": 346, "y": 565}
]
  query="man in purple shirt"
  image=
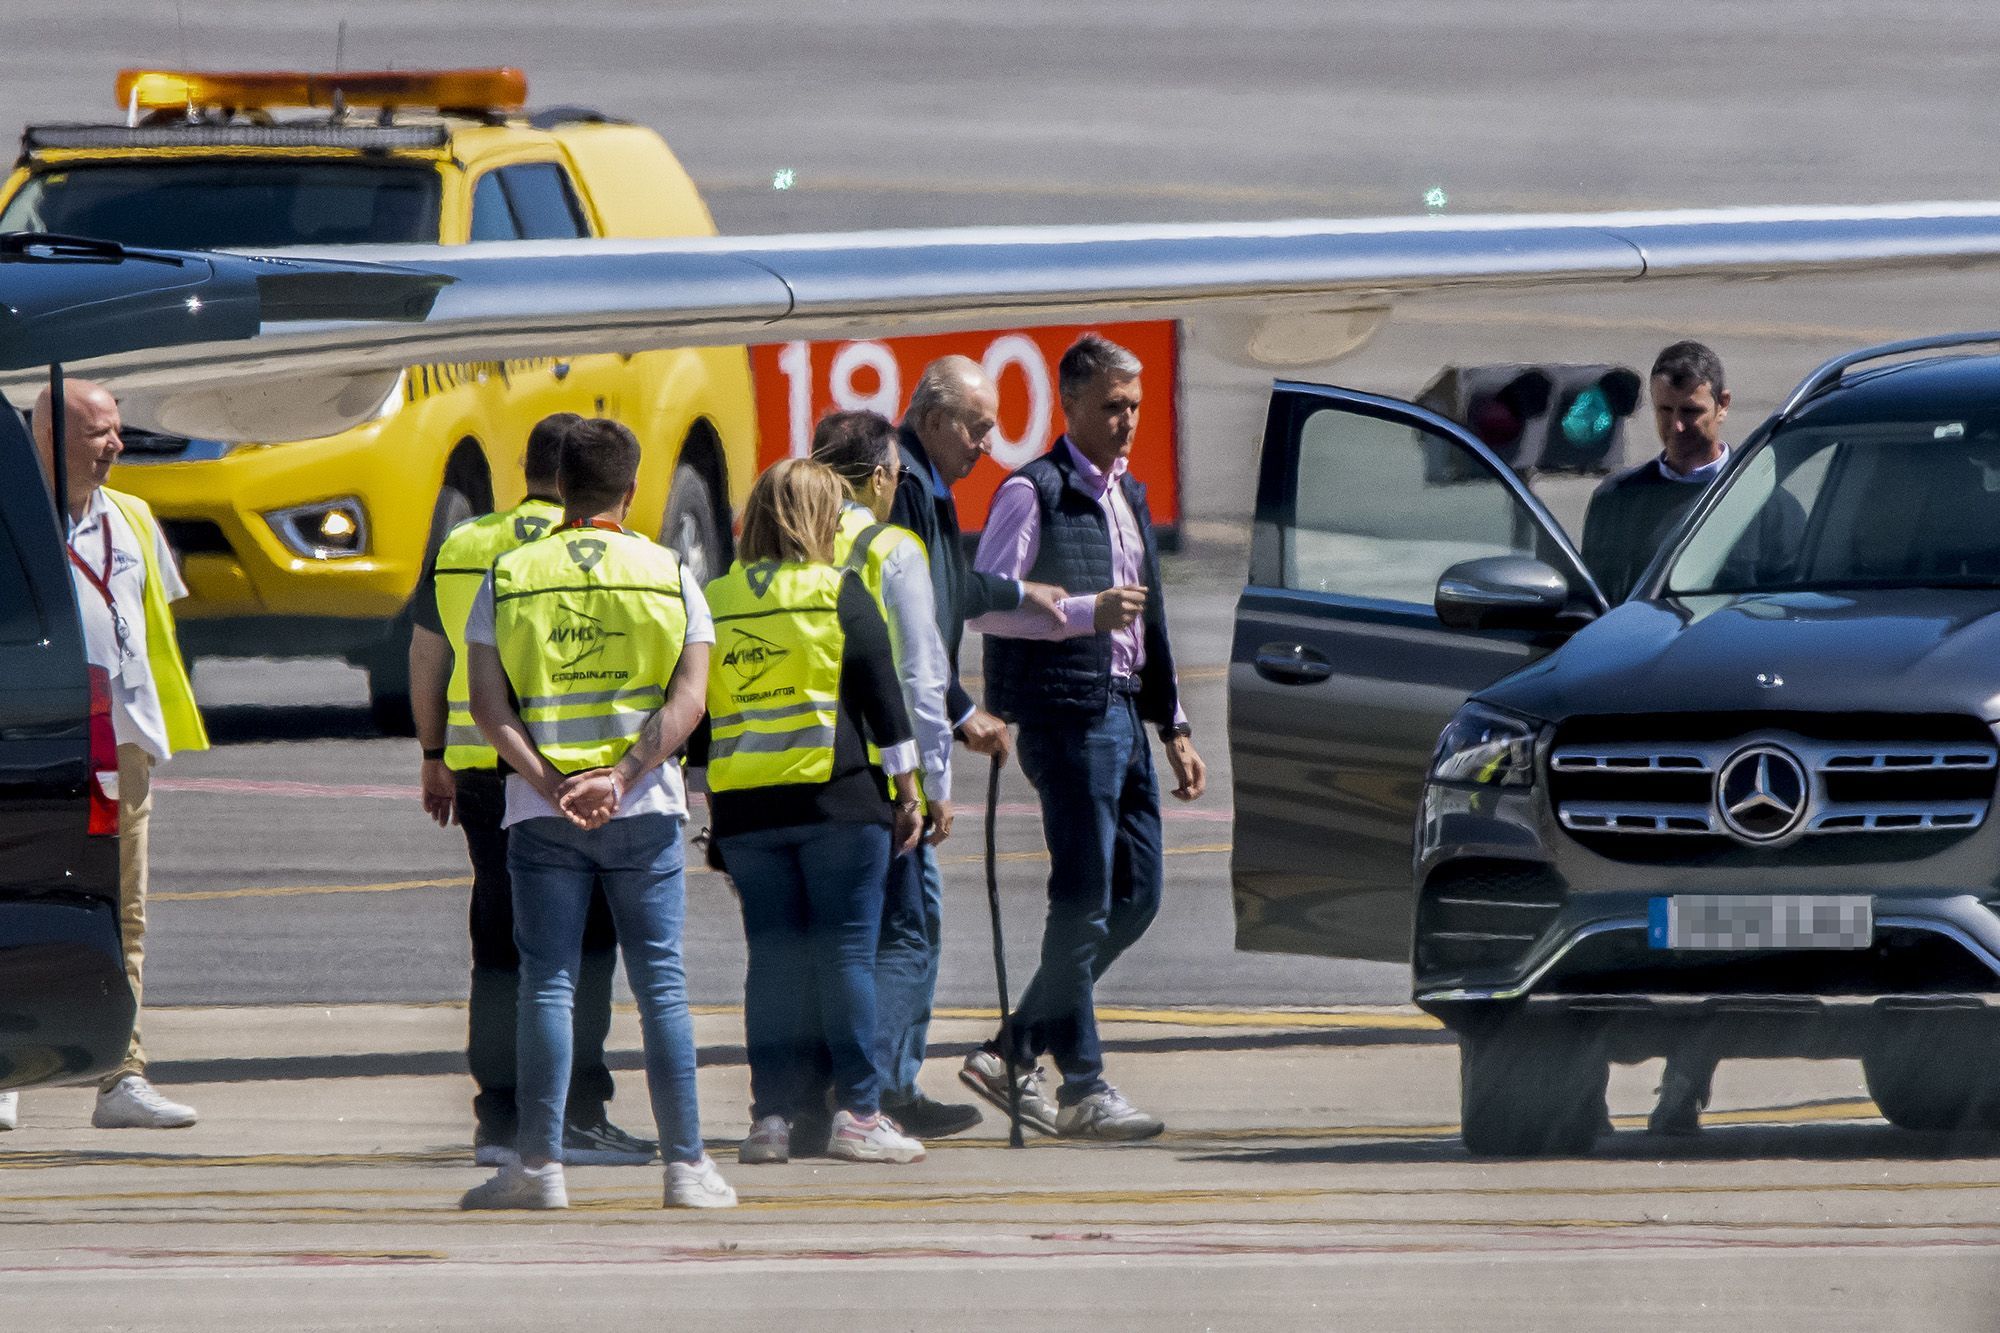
[{"x": 1082, "y": 693}]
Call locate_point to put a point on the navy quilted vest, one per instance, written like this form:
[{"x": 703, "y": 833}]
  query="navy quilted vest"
[{"x": 1038, "y": 683}]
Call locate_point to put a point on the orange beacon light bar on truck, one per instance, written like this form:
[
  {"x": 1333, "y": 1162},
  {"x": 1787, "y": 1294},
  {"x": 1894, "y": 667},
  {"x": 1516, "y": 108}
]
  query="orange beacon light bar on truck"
[{"x": 162, "y": 90}]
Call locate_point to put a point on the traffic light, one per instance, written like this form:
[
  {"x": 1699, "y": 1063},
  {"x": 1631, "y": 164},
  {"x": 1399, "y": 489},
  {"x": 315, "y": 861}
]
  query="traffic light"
[
  {"x": 1586, "y": 424},
  {"x": 1556, "y": 418}
]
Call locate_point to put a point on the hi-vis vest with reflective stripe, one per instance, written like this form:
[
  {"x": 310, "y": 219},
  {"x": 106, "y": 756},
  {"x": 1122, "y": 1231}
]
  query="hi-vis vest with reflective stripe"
[
  {"x": 463, "y": 562},
  {"x": 774, "y": 674},
  {"x": 589, "y": 623},
  {"x": 864, "y": 544}
]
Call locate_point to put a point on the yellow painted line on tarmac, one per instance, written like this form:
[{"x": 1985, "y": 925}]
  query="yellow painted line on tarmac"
[
  {"x": 302, "y": 890},
  {"x": 1242, "y": 1018}
]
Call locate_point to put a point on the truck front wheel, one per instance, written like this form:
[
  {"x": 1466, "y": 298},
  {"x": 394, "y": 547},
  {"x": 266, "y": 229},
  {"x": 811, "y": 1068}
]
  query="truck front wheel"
[{"x": 690, "y": 525}]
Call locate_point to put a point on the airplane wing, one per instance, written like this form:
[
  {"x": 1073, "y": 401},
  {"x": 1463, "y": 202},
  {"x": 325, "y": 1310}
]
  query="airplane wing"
[{"x": 1297, "y": 287}]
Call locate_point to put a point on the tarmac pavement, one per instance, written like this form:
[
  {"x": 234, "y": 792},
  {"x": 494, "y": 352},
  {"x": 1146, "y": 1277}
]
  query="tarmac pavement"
[{"x": 1310, "y": 1178}]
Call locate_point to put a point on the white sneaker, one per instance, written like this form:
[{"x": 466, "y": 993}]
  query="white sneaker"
[
  {"x": 1107, "y": 1115},
  {"x": 873, "y": 1140},
  {"x": 10, "y": 1110},
  {"x": 517, "y": 1186},
  {"x": 698, "y": 1185},
  {"x": 770, "y": 1141},
  {"x": 986, "y": 1074},
  {"x": 133, "y": 1103}
]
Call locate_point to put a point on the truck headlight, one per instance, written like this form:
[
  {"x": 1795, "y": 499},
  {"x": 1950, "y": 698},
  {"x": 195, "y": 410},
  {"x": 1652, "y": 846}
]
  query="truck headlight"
[
  {"x": 329, "y": 530},
  {"x": 1486, "y": 747}
]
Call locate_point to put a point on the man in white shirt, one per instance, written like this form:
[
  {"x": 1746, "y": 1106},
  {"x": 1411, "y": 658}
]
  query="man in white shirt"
[{"x": 124, "y": 577}]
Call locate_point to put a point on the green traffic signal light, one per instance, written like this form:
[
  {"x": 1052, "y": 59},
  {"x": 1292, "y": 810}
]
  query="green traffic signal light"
[{"x": 1588, "y": 421}]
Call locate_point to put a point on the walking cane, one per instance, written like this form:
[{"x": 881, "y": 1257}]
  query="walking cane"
[{"x": 1000, "y": 955}]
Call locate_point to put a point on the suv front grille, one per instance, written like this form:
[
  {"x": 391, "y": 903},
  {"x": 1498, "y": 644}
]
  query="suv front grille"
[{"x": 1781, "y": 785}]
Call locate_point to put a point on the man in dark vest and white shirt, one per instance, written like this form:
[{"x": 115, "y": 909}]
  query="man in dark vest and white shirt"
[{"x": 1084, "y": 693}]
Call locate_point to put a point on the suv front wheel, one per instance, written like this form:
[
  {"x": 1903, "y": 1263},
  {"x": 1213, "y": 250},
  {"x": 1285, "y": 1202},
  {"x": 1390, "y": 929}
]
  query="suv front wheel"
[
  {"x": 1531, "y": 1087},
  {"x": 1934, "y": 1072}
]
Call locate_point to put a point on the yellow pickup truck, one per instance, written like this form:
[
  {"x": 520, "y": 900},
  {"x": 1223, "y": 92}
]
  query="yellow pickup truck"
[{"x": 313, "y": 547}]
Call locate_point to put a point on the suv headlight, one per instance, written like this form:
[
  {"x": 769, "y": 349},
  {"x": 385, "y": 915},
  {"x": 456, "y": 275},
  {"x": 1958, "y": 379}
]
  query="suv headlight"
[
  {"x": 1486, "y": 747},
  {"x": 329, "y": 530}
]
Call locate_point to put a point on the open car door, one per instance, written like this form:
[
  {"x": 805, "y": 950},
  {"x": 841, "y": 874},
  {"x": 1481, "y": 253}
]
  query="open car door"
[{"x": 1341, "y": 675}]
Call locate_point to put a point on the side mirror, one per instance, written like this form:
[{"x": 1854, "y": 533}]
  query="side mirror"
[{"x": 1501, "y": 592}]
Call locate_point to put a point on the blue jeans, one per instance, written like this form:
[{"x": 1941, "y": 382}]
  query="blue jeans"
[
  {"x": 1101, "y": 816},
  {"x": 554, "y": 866},
  {"x": 906, "y": 970},
  {"x": 812, "y": 911}
]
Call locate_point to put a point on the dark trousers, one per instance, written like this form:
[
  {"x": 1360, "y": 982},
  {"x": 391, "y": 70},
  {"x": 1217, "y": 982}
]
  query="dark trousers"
[
  {"x": 811, "y": 896},
  {"x": 492, "y": 1014},
  {"x": 1101, "y": 817}
]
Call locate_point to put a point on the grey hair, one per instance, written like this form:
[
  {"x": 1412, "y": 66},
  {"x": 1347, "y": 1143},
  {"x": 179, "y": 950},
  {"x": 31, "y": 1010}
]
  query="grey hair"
[
  {"x": 1089, "y": 357},
  {"x": 945, "y": 386}
]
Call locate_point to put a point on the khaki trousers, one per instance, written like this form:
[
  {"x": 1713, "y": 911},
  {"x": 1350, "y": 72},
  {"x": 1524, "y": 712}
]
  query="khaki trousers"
[{"x": 135, "y": 813}]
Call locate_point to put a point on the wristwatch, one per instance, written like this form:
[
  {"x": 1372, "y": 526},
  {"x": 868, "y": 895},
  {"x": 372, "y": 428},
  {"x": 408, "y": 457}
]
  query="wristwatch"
[
  {"x": 1173, "y": 731},
  {"x": 906, "y": 807}
]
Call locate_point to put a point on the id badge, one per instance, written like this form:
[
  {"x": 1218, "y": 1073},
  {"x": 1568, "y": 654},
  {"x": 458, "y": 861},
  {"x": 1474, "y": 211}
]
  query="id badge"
[{"x": 131, "y": 669}]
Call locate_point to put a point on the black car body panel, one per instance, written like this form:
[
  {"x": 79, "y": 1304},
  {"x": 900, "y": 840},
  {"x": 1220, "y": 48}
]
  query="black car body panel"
[{"x": 65, "y": 1007}]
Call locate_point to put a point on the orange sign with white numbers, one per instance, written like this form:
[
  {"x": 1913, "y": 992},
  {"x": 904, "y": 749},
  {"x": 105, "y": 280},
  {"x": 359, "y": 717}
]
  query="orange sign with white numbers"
[{"x": 799, "y": 382}]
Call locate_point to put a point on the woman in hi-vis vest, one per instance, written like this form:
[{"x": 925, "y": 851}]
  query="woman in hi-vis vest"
[{"x": 802, "y": 682}]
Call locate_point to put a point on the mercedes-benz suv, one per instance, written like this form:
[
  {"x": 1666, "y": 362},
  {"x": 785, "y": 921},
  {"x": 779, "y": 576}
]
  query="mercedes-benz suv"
[{"x": 1746, "y": 812}]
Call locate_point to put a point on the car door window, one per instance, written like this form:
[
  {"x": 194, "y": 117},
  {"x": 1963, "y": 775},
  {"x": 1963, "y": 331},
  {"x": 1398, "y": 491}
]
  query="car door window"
[
  {"x": 545, "y": 207},
  {"x": 1383, "y": 507},
  {"x": 492, "y": 217}
]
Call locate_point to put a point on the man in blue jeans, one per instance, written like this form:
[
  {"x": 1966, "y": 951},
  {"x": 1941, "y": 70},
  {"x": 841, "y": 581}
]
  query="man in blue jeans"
[
  {"x": 588, "y": 657},
  {"x": 1084, "y": 695}
]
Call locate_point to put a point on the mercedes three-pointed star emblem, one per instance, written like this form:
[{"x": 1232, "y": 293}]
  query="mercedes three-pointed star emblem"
[{"x": 1761, "y": 793}]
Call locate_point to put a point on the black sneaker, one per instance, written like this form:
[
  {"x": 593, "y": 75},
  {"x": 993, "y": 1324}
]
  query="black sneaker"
[
  {"x": 493, "y": 1145},
  {"x": 811, "y": 1133},
  {"x": 927, "y": 1118},
  {"x": 604, "y": 1144}
]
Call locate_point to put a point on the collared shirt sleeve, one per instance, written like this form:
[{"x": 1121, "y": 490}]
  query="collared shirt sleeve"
[
  {"x": 1007, "y": 548},
  {"x": 920, "y": 661},
  {"x": 479, "y": 621}
]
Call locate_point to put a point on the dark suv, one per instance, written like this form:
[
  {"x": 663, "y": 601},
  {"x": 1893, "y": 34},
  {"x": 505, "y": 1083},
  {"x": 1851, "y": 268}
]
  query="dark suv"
[
  {"x": 1743, "y": 813},
  {"x": 65, "y": 1007}
]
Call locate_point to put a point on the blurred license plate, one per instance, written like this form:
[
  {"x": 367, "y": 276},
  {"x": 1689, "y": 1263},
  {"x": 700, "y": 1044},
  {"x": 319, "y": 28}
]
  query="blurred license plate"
[{"x": 1696, "y": 921}]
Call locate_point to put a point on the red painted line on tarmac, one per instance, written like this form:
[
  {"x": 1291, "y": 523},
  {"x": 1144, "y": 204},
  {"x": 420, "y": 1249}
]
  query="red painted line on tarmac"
[
  {"x": 320, "y": 791},
  {"x": 1592, "y": 1241}
]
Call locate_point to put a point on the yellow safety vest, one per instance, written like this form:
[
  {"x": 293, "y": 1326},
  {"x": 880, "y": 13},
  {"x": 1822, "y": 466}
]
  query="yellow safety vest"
[
  {"x": 463, "y": 562},
  {"x": 163, "y": 648},
  {"x": 864, "y": 544},
  {"x": 774, "y": 681},
  {"x": 589, "y": 623}
]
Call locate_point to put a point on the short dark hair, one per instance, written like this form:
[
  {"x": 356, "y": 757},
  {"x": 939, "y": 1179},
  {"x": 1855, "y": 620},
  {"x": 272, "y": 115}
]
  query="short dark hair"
[
  {"x": 1088, "y": 357},
  {"x": 1688, "y": 365},
  {"x": 600, "y": 461},
  {"x": 544, "y": 453},
  {"x": 854, "y": 444}
]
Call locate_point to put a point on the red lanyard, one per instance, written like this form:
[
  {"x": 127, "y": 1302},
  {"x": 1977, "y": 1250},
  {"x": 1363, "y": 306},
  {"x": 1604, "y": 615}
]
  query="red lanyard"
[
  {"x": 101, "y": 582},
  {"x": 603, "y": 523}
]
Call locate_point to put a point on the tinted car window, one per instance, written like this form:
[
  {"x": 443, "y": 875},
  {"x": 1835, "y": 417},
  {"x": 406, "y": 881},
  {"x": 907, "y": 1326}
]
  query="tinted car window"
[
  {"x": 209, "y": 205},
  {"x": 1384, "y": 508},
  {"x": 492, "y": 218},
  {"x": 545, "y": 207},
  {"x": 1874, "y": 504}
]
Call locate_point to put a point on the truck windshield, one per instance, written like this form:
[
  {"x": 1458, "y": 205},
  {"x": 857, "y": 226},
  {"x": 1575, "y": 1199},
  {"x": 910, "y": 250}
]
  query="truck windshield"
[
  {"x": 1869, "y": 505},
  {"x": 237, "y": 204}
]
